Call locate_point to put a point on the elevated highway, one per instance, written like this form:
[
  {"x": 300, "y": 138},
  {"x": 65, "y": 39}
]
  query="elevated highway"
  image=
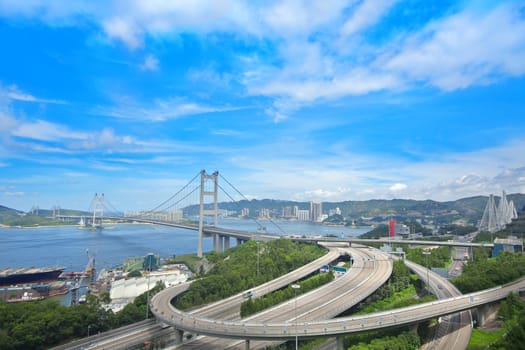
[
  {"x": 230, "y": 308},
  {"x": 247, "y": 235},
  {"x": 120, "y": 338},
  {"x": 371, "y": 269},
  {"x": 127, "y": 336},
  {"x": 451, "y": 332},
  {"x": 165, "y": 312}
]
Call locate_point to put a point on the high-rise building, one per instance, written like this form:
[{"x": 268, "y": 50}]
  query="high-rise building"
[
  {"x": 303, "y": 215},
  {"x": 316, "y": 211},
  {"x": 245, "y": 212},
  {"x": 335, "y": 211},
  {"x": 264, "y": 213},
  {"x": 287, "y": 212}
]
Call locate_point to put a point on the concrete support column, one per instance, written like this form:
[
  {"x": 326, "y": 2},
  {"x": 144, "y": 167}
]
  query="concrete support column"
[
  {"x": 247, "y": 344},
  {"x": 482, "y": 313},
  {"x": 216, "y": 242},
  {"x": 340, "y": 342},
  {"x": 239, "y": 241},
  {"x": 413, "y": 327},
  {"x": 226, "y": 242},
  {"x": 178, "y": 336}
]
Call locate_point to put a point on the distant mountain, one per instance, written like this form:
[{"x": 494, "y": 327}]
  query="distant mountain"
[
  {"x": 8, "y": 215},
  {"x": 38, "y": 217},
  {"x": 465, "y": 210},
  {"x": 9, "y": 211}
]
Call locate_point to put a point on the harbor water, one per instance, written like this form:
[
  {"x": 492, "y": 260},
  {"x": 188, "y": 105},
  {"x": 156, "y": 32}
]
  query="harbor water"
[{"x": 70, "y": 246}]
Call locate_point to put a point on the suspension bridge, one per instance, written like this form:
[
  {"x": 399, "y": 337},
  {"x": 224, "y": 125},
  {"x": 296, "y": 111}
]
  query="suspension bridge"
[{"x": 195, "y": 206}]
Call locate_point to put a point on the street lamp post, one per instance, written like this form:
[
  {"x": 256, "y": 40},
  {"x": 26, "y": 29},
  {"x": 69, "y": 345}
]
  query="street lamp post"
[
  {"x": 89, "y": 326},
  {"x": 257, "y": 259},
  {"x": 147, "y": 293},
  {"x": 427, "y": 253},
  {"x": 295, "y": 287}
]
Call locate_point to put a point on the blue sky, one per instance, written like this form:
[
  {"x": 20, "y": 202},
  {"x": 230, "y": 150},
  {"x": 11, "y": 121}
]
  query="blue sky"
[{"x": 300, "y": 100}]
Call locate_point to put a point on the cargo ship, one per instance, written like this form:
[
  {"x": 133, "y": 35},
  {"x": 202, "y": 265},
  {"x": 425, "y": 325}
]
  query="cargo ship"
[{"x": 29, "y": 275}]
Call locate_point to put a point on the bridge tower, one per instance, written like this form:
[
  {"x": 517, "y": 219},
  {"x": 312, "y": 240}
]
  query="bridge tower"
[
  {"x": 98, "y": 208},
  {"x": 206, "y": 192}
]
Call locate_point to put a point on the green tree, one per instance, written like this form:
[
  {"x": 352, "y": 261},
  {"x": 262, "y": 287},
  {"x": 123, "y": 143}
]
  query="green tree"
[
  {"x": 134, "y": 273},
  {"x": 486, "y": 273},
  {"x": 236, "y": 269}
]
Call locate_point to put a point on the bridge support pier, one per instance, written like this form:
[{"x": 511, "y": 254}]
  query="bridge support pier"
[
  {"x": 240, "y": 241},
  {"x": 226, "y": 242},
  {"x": 178, "y": 336},
  {"x": 340, "y": 342},
  {"x": 413, "y": 327},
  {"x": 217, "y": 243},
  {"x": 247, "y": 344},
  {"x": 484, "y": 312}
]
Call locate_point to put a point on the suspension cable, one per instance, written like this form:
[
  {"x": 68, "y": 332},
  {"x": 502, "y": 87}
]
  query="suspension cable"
[
  {"x": 179, "y": 191},
  {"x": 233, "y": 200},
  {"x": 244, "y": 197},
  {"x": 112, "y": 207},
  {"x": 183, "y": 198}
]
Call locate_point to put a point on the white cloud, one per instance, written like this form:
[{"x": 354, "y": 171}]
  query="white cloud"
[
  {"x": 471, "y": 47},
  {"x": 129, "y": 21},
  {"x": 12, "y": 92},
  {"x": 14, "y": 194},
  {"x": 47, "y": 137},
  {"x": 365, "y": 15},
  {"x": 150, "y": 63},
  {"x": 326, "y": 195},
  {"x": 465, "y": 49},
  {"x": 300, "y": 17},
  {"x": 124, "y": 30},
  {"x": 226, "y": 132},
  {"x": 7, "y": 123},
  {"x": 399, "y": 187},
  {"x": 160, "y": 110},
  {"x": 210, "y": 76},
  {"x": 45, "y": 131},
  {"x": 355, "y": 82},
  {"x": 280, "y": 174},
  {"x": 56, "y": 12}
]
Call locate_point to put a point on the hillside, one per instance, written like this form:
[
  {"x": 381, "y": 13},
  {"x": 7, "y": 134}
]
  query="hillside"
[
  {"x": 6, "y": 210},
  {"x": 42, "y": 217},
  {"x": 467, "y": 210}
]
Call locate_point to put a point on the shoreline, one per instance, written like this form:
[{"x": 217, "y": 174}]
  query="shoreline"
[{"x": 38, "y": 226}]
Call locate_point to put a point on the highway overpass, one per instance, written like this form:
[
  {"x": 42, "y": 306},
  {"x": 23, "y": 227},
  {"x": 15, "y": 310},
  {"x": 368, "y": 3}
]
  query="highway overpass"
[
  {"x": 371, "y": 269},
  {"x": 166, "y": 313}
]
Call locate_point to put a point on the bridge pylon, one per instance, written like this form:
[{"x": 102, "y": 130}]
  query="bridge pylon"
[
  {"x": 98, "y": 209},
  {"x": 205, "y": 191}
]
